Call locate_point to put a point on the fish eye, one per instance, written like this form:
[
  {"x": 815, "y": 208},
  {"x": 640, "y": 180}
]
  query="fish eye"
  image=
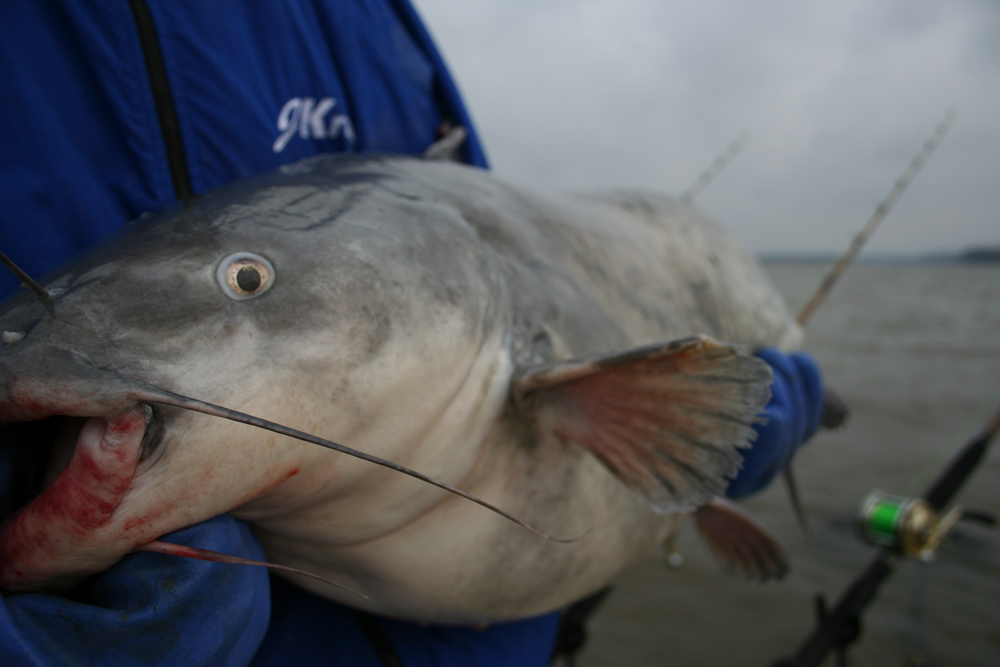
[{"x": 244, "y": 275}]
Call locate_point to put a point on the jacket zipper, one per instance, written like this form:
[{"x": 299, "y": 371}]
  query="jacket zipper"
[{"x": 164, "y": 100}]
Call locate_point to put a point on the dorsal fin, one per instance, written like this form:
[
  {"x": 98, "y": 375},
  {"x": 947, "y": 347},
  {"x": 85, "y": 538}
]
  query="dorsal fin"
[
  {"x": 735, "y": 539},
  {"x": 666, "y": 419}
]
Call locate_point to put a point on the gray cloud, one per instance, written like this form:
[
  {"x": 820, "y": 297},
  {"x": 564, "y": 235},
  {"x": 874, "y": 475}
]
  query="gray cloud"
[{"x": 838, "y": 97}]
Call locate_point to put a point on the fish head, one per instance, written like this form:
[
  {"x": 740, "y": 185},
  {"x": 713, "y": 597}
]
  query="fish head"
[{"x": 323, "y": 298}]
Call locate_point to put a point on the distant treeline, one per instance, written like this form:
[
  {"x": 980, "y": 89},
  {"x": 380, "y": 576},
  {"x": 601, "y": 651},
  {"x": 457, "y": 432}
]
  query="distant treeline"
[
  {"x": 974, "y": 254},
  {"x": 980, "y": 254}
]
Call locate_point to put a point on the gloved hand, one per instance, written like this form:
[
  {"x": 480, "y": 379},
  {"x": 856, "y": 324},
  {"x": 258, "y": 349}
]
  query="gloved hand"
[
  {"x": 149, "y": 609},
  {"x": 793, "y": 415}
]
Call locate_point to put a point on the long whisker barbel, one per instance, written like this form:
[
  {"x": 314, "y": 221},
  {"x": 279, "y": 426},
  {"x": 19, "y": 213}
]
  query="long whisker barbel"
[
  {"x": 183, "y": 551},
  {"x": 39, "y": 291},
  {"x": 153, "y": 394}
]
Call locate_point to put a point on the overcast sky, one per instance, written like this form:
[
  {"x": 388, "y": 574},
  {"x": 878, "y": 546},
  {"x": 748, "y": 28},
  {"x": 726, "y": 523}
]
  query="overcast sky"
[{"x": 837, "y": 98}]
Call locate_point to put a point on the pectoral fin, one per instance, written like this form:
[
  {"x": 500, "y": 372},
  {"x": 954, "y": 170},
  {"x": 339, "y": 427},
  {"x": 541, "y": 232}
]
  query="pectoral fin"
[{"x": 666, "y": 419}]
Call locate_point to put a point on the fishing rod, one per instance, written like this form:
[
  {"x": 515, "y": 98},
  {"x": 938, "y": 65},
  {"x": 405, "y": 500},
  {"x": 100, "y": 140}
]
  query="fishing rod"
[
  {"x": 881, "y": 211},
  {"x": 831, "y": 279},
  {"x": 720, "y": 163},
  {"x": 903, "y": 528}
]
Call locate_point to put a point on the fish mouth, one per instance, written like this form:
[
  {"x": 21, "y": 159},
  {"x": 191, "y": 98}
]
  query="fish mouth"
[
  {"x": 51, "y": 441},
  {"x": 69, "y": 528},
  {"x": 57, "y": 437}
]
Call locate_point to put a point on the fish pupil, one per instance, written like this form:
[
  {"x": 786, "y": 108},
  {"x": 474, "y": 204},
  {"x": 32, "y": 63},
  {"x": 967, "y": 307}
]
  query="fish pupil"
[{"x": 248, "y": 279}]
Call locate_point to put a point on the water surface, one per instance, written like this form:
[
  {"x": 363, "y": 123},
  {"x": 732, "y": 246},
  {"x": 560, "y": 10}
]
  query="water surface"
[{"x": 914, "y": 349}]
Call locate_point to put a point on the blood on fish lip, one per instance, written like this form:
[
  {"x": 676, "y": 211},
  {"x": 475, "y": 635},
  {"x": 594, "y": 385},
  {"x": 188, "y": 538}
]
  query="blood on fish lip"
[{"x": 79, "y": 502}]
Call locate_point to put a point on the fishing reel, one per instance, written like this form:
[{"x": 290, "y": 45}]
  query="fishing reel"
[{"x": 909, "y": 526}]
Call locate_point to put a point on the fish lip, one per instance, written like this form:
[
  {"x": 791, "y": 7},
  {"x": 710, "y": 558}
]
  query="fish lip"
[
  {"x": 62, "y": 438},
  {"x": 73, "y": 526},
  {"x": 63, "y": 448}
]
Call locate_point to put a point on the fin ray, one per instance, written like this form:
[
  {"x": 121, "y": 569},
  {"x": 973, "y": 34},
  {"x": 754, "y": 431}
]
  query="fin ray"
[{"x": 666, "y": 419}]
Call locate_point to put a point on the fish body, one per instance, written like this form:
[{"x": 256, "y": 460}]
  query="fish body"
[{"x": 423, "y": 312}]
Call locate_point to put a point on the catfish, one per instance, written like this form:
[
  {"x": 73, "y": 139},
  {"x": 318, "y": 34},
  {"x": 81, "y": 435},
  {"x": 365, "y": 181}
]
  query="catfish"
[{"x": 577, "y": 362}]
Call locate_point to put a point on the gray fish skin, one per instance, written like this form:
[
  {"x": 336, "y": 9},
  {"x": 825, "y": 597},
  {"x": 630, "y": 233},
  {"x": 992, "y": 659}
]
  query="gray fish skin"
[{"x": 407, "y": 296}]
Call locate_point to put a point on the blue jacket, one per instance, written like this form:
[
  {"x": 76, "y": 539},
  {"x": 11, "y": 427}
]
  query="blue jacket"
[{"x": 111, "y": 108}]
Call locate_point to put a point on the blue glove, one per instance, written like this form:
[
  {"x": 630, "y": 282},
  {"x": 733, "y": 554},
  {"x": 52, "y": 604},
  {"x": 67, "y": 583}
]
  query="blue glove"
[
  {"x": 149, "y": 609},
  {"x": 793, "y": 416}
]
